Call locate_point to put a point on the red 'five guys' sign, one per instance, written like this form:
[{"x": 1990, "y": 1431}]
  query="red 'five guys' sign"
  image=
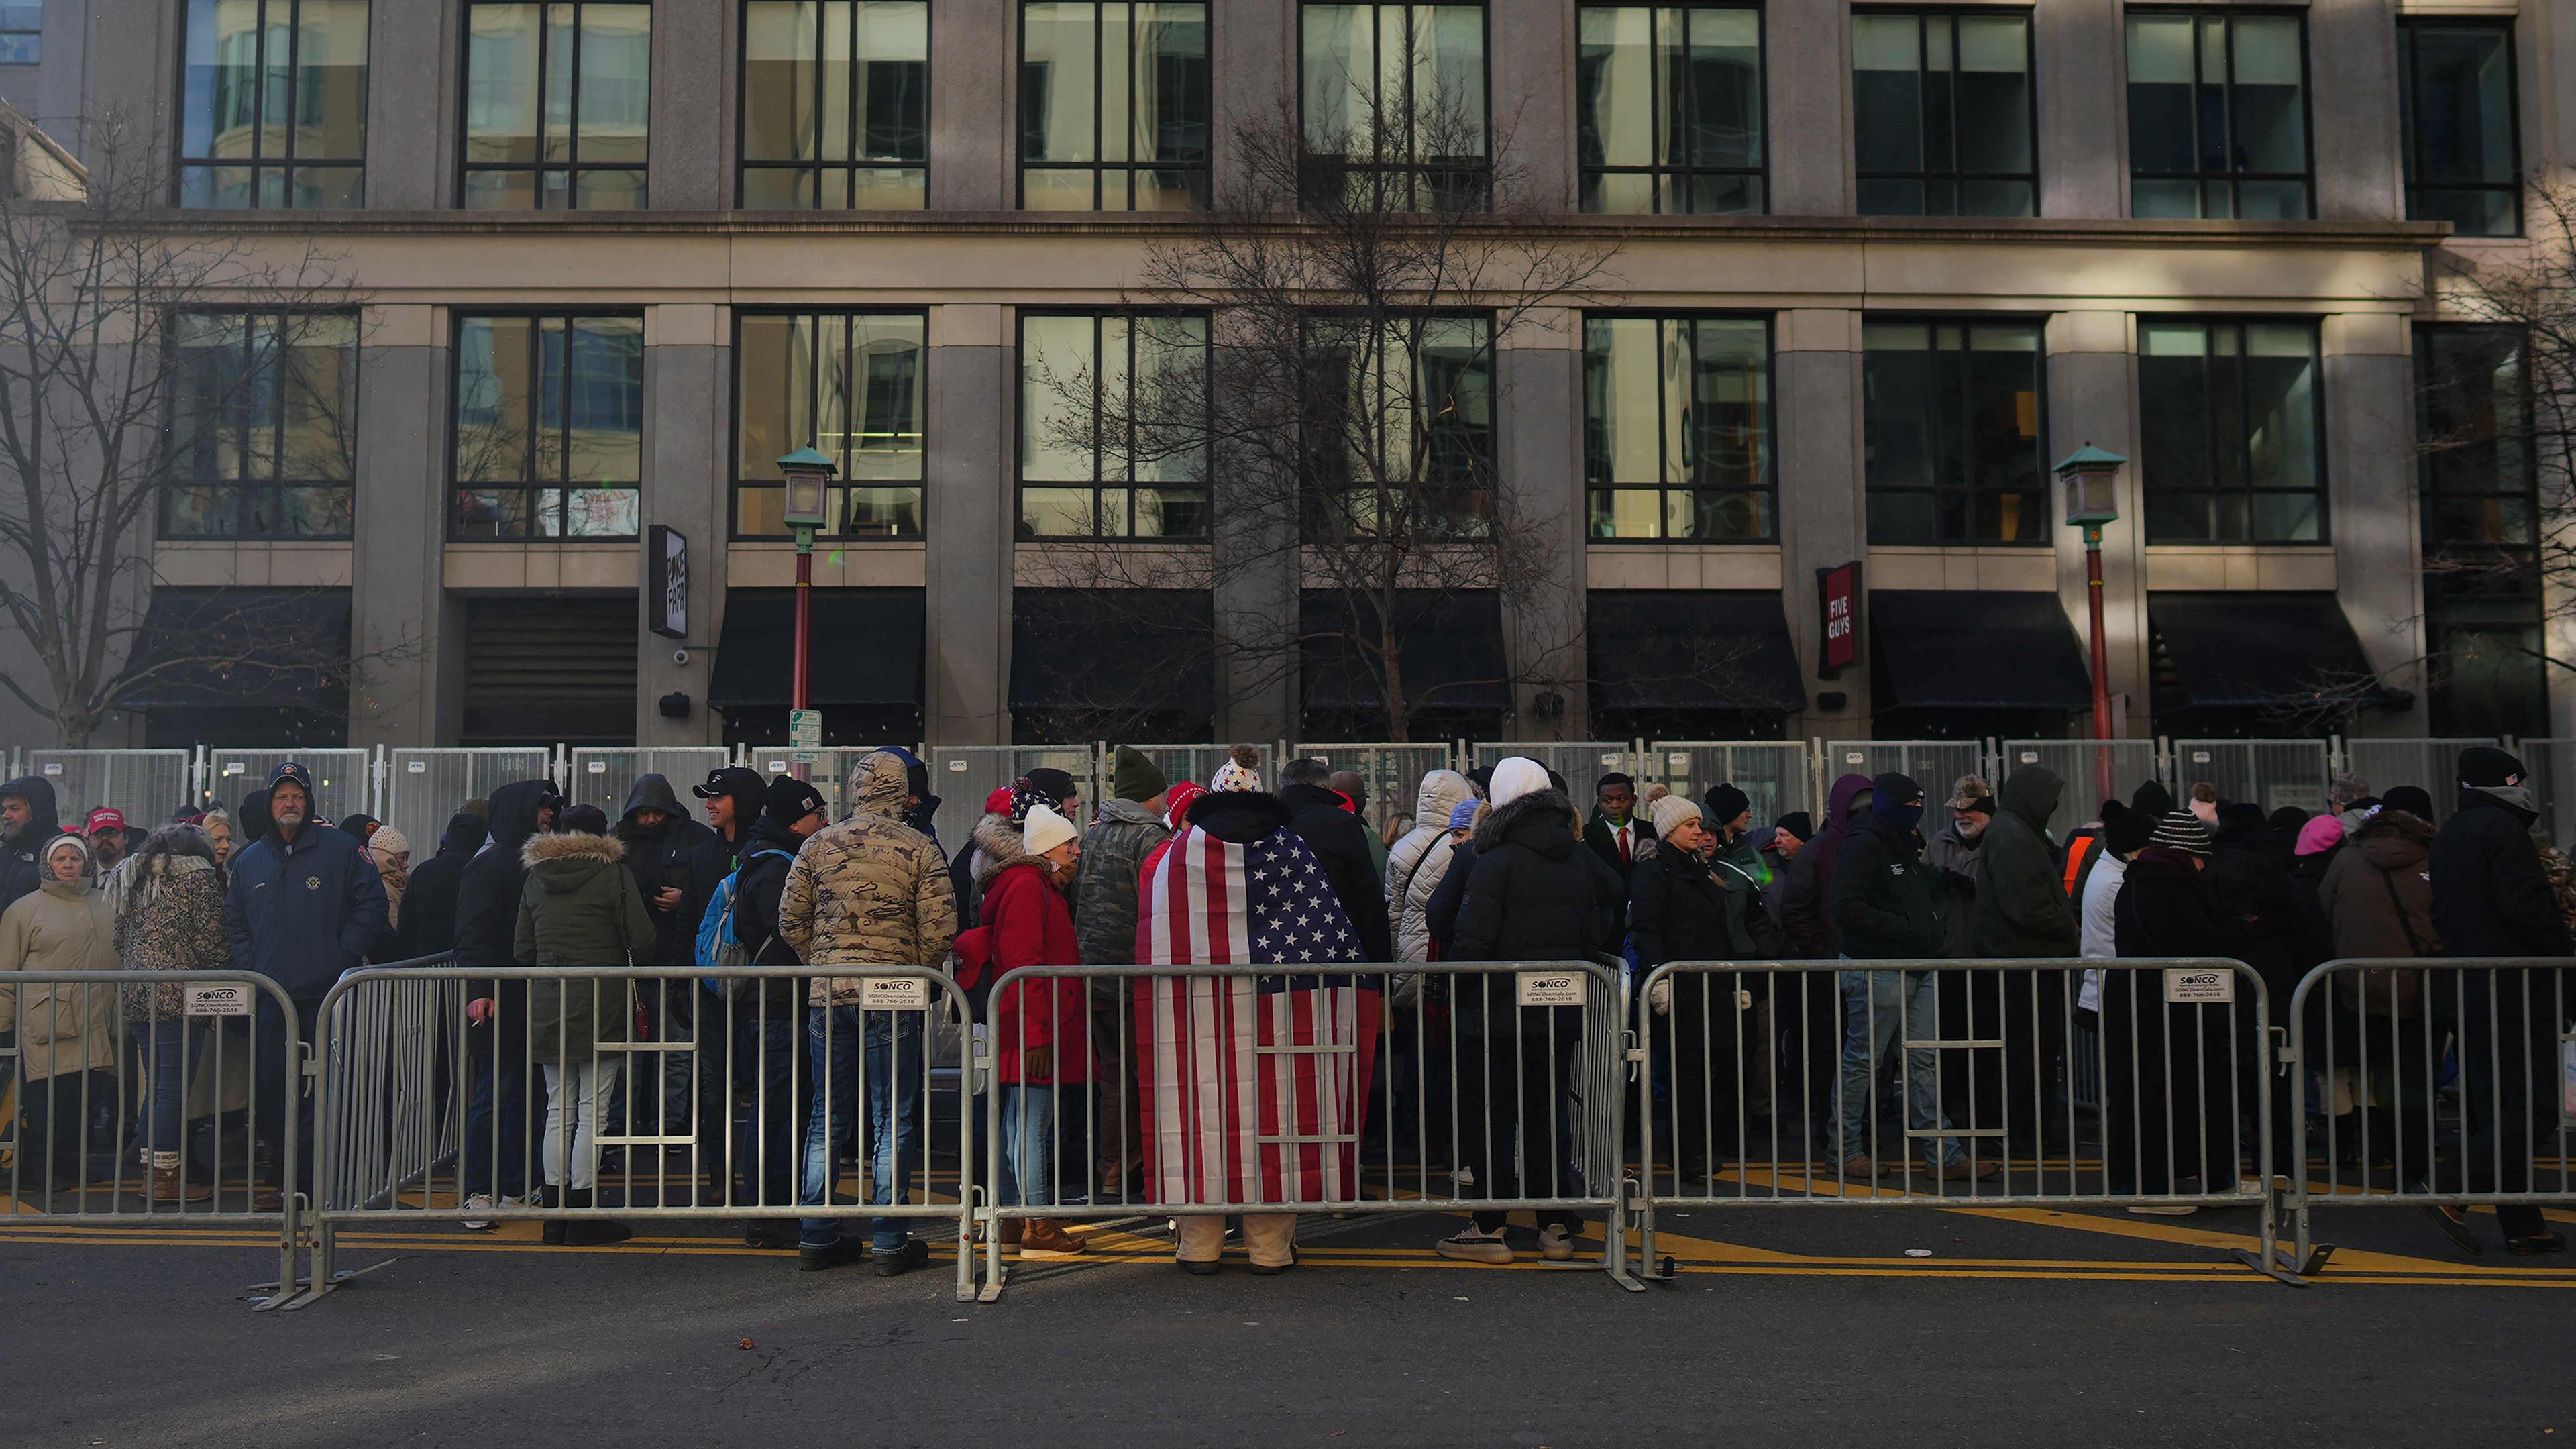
[{"x": 1840, "y": 590}]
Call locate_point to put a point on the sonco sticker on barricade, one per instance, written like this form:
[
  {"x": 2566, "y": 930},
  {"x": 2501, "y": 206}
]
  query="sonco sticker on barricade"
[
  {"x": 893, "y": 993},
  {"x": 224, "y": 1000},
  {"x": 1551, "y": 988},
  {"x": 2187, "y": 984}
]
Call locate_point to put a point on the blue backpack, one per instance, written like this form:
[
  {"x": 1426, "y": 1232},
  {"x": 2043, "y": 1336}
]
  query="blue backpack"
[{"x": 719, "y": 950}]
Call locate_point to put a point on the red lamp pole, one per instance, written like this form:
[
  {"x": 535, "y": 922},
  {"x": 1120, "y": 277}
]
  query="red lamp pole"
[
  {"x": 805, "y": 615},
  {"x": 2101, "y": 663}
]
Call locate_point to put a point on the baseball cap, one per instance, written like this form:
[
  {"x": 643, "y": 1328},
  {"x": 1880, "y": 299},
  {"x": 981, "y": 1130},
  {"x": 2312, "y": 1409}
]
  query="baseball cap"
[{"x": 104, "y": 818}]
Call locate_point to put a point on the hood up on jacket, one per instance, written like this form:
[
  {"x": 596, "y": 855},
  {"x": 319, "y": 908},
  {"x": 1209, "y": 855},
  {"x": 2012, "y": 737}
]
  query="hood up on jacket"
[
  {"x": 464, "y": 834},
  {"x": 44, "y": 815},
  {"x": 1442, "y": 792},
  {"x": 2394, "y": 840},
  {"x": 1543, "y": 821},
  {"x": 514, "y": 812},
  {"x": 651, "y": 792},
  {"x": 1240, "y": 817},
  {"x": 562, "y": 863},
  {"x": 2032, "y": 794},
  {"x": 999, "y": 839},
  {"x": 878, "y": 785}
]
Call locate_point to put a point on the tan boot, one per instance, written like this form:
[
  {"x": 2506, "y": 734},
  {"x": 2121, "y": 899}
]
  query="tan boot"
[
  {"x": 167, "y": 1187},
  {"x": 1012, "y": 1230},
  {"x": 1045, "y": 1240}
]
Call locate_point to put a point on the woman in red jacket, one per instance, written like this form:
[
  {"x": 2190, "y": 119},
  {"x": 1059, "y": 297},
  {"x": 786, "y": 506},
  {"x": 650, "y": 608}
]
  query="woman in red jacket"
[{"x": 1042, "y": 1046}]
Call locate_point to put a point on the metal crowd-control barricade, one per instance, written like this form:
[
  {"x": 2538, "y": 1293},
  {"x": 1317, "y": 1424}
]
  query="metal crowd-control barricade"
[
  {"x": 2185, "y": 1043},
  {"x": 828, "y": 771},
  {"x": 1933, "y": 764},
  {"x": 1778, "y": 776},
  {"x": 1581, "y": 762},
  {"x": 963, "y": 775},
  {"x": 2433, "y": 763},
  {"x": 343, "y": 780},
  {"x": 147, "y": 786},
  {"x": 2081, "y": 764},
  {"x": 420, "y": 787},
  {"x": 202, "y": 1037},
  {"x": 2271, "y": 773},
  {"x": 1254, "y": 1089},
  {"x": 603, "y": 776},
  {"x": 2436, "y": 1083},
  {"x": 1393, "y": 770},
  {"x": 1187, "y": 762},
  {"x": 421, "y": 1087},
  {"x": 2552, "y": 764}
]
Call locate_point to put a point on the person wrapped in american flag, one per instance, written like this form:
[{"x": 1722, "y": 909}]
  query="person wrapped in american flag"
[{"x": 1254, "y": 1088}]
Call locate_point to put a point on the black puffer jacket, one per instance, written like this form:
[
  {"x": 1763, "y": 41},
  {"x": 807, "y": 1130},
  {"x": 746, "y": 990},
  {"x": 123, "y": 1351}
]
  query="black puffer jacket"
[
  {"x": 1884, "y": 904},
  {"x": 2164, "y": 910},
  {"x": 429, "y": 902},
  {"x": 2022, "y": 911},
  {"x": 767, "y": 854},
  {"x": 1684, "y": 908},
  {"x": 22, "y": 852},
  {"x": 1534, "y": 893},
  {"x": 487, "y": 908},
  {"x": 1340, "y": 842},
  {"x": 664, "y": 857},
  {"x": 2490, "y": 895}
]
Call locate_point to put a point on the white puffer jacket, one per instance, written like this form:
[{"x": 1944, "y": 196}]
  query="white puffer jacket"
[{"x": 1416, "y": 863}]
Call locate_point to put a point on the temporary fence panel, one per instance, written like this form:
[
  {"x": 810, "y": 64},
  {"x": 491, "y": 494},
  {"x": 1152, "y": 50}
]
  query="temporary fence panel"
[
  {"x": 1393, "y": 771},
  {"x": 2433, "y": 764},
  {"x": 2271, "y": 773},
  {"x": 829, "y": 770},
  {"x": 146, "y": 786},
  {"x": 2423, "y": 1082},
  {"x": 1983, "y": 1111},
  {"x": 1934, "y": 764},
  {"x": 2552, "y": 764},
  {"x": 1581, "y": 762},
  {"x": 964, "y": 775},
  {"x": 603, "y": 776},
  {"x": 1777, "y": 775},
  {"x": 197, "y": 1063},
  {"x": 1188, "y": 762},
  {"x": 706, "y": 1113},
  {"x": 1260, "y": 1093},
  {"x": 2094, "y": 771},
  {"x": 422, "y": 787},
  {"x": 343, "y": 780}
]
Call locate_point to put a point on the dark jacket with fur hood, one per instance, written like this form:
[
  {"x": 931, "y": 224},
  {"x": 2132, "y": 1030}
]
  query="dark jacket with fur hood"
[
  {"x": 1534, "y": 893},
  {"x": 580, "y": 907},
  {"x": 2378, "y": 893}
]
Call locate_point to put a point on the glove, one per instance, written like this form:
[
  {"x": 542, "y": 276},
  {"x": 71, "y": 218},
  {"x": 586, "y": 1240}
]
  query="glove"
[{"x": 1660, "y": 997}]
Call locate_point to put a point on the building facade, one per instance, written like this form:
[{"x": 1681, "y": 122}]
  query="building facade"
[{"x": 1878, "y": 268}]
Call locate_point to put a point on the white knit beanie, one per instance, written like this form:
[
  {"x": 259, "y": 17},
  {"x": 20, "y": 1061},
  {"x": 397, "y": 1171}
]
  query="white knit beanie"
[
  {"x": 1514, "y": 778},
  {"x": 1045, "y": 830},
  {"x": 1671, "y": 811}
]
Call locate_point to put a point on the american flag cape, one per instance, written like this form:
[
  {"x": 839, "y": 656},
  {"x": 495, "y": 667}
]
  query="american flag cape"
[{"x": 1217, "y": 1092}]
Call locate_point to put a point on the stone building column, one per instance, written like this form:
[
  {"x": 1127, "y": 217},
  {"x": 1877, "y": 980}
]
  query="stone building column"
[
  {"x": 397, "y": 627},
  {"x": 2374, "y": 518},
  {"x": 688, "y": 383},
  {"x": 968, "y": 508},
  {"x": 1538, "y": 400},
  {"x": 974, "y": 56},
  {"x": 1822, "y": 522},
  {"x": 1807, "y": 80}
]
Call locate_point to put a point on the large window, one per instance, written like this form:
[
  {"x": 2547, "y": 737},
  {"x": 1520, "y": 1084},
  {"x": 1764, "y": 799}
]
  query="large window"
[
  {"x": 273, "y": 106},
  {"x": 1677, "y": 428},
  {"x": 557, "y": 101},
  {"x": 2482, "y": 596},
  {"x": 1394, "y": 106},
  {"x": 2231, "y": 424},
  {"x": 1942, "y": 114},
  {"x": 263, "y": 425},
  {"x": 847, "y": 383},
  {"x": 1668, "y": 108},
  {"x": 1114, "y": 106},
  {"x": 1113, "y": 425},
  {"x": 836, "y": 104},
  {"x": 1950, "y": 412},
  {"x": 1400, "y": 424},
  {"x": 2218, "y": 115},
  {"x": 549, "y": 426},
  {"x": 2455, "y": 104},
  {"x": 22, "y": 27}
]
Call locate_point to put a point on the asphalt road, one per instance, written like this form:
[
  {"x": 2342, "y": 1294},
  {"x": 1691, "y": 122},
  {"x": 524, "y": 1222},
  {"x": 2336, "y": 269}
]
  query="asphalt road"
[{"x": 1782, "y": 1328}]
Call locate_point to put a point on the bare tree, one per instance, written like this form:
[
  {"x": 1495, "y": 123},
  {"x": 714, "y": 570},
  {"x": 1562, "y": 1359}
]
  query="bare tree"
[
  {"x": 1318, "y": 351},
  {"x": 136, "y": 355}
]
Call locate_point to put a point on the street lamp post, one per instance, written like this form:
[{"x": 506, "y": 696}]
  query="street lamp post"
[
  {"x": 2092, "y": 503},
  {"x": 809, "y": 475}
]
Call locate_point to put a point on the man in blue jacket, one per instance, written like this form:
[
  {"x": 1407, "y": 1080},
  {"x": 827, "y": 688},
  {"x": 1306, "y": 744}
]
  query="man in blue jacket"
[{"x": 305, "y": 904}]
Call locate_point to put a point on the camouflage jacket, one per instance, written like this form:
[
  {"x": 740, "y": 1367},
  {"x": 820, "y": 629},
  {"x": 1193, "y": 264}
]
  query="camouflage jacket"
[
  {"x": 1104, "y": 893},
  {"x": 868, "y": 891}
]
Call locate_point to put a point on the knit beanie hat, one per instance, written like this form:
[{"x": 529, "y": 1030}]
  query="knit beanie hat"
[
  {"x": 2319, "y": 836},
  {"x": 1465, "y": 814},
  {"x": 1039, "y": 787},
  {"x": 1516, "y": 777},
  {"x": 388, "y": 841},
  {"x": 2181, "y": 830},
  {"x": 2128, "y": 832},
  {"x": 1176, "y": 804},
  {"x": 1135, "y": 778},
  {"x": 1725, "y": 804},
  {"x": 1044, "y": 830},
  {"x": 1673, "y": 811},
  {"x": 1241, "y": 772},
  {"x": 2484, "y": 767},
  {"x": 1798, "y": 823},
  {"x": 2415, "y": 800}
]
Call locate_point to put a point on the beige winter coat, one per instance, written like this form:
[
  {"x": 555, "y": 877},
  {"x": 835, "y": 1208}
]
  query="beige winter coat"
[
  {"x": 65, "y": 1028},
  {"x": 869, "y": 891}
]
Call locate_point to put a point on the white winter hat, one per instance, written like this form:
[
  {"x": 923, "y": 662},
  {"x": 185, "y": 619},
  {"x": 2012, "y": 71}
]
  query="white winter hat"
[
  {"x": 1514, "y": 778},
  {"x": 1045, "y": 830},
  {"x": 1672, "y": 810}
]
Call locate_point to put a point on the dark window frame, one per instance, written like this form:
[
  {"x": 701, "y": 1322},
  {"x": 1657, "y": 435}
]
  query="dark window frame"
[
  {"x": 1943, "y": 488},
  {"x": 572, "y": 166},
  {"x": 1203, "y": 174},
  {"x": 736, "y": 483},
  {"x": 2322, "y": 492},
  {"x": 35, "y": 34},
  {"x": 1760, "y": 171},
  {"x": 854, "y": 120},
  {"x": 1489, "y": 351},
  {"x": 247, "y": 488},
  {"x": 1099, "y": 483},
  {"x": 255, "y": 164},
  {"x": 2465, "y": 575},
  {"x": 1770, "y": 483},
  {"x": 1417, "y": 170},
  {"x": 2307, "y": 175},
  {"x": 2029, "y": 17},
  {"x": 531, "y": 483},
  {"x": 2407, "y": 27}
]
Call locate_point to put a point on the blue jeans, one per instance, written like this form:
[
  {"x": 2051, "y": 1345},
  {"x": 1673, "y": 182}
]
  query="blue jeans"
[
  {"x": 175, "y": 1047},
  {"x": 839, "y": 1040},
  {"x": 1874, "y": 1004},
  {"x": 1042, "y": 1130}
]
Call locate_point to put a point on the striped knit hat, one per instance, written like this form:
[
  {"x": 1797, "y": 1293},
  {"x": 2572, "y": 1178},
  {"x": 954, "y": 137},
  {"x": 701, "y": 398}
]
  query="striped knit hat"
[{"x": 2181, "y": 831}]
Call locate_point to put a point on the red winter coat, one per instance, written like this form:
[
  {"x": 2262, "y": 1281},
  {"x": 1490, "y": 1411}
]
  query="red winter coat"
[{"x": 1029, "y": 924}]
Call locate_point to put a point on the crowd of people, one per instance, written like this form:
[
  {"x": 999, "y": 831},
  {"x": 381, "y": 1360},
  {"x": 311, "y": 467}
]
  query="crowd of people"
[{"x": 1162, "y": 1094}]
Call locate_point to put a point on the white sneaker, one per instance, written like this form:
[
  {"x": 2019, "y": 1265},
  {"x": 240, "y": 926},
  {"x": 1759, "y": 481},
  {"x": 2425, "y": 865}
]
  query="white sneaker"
[
  {"x": 1555, "y": 1244},
  {"x": 480, "y": 1202},
  {"x": 1464, "y": 1177},
  {"x": 1472, "y": 1246},
  {"x": 2164, "y": 1210}
]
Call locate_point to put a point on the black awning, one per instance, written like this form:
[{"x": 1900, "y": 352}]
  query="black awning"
[
  {"x": 1452, "y": 654},
  {"x": 1114, "y": 651},
  {"x": 1976, "y": 649},
  {"x": 2261, "y": 650},
  {"x": 208, "y": 648},
  {"x": 1692, "y": 649},
  {"x": 865, "y": 648}
]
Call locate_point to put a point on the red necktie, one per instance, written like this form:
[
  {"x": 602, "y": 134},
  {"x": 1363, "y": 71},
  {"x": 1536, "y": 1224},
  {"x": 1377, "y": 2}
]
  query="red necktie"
[{"x": 1626, "y": 857}]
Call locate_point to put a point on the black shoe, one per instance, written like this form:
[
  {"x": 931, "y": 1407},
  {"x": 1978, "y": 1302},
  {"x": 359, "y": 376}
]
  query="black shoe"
[
  {"x": 913, "y": 1254},
  {"x": 2536, "y": 1243},
  {"x": 1198, "y": 1269},
  {"x": 815, "y": 1260},
  {"x": 587, "y": 1232},
  {"x": 768, "y": 1236},
  {"x": 2454, "y": 1223}
]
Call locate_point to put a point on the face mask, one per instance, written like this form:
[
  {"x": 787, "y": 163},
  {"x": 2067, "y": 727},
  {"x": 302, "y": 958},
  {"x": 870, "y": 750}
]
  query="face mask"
[{"x": 1902, "y": 817}]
